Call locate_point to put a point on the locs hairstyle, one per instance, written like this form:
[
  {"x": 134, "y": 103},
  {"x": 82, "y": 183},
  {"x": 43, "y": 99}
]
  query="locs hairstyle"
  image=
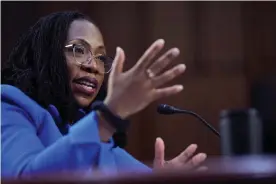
[{"x": 37, "y": 66}]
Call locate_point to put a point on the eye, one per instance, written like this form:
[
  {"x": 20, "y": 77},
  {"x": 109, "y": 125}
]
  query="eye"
[
  {"x": 101, "y": 58},
  {"x": 79, "y": 49}
]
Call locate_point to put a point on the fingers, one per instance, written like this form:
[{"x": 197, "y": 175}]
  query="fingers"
[
  {"x": 118, "y": 63},
  {"x": 187, "y": 161},
  {"x": 197, "y": 160},
  {"x": 164, "y": 60},
  {"x": 150, "y": 53},
  {"x": 166, "y": 77},
  {"x": 185, "y": 155},
  {"x": 168, "y": 91},
  {"x": 169, "y": 75},
  {"x": 159, "y": 153}
]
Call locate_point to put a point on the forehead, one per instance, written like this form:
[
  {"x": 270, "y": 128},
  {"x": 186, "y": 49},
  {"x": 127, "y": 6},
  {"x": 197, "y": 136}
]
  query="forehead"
[{"x": 87, "y": 31}]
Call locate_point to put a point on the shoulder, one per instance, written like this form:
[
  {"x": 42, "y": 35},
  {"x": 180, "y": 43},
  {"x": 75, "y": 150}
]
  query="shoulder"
[
  {"x": 13, "y": 95},
  {"x": 14, "y": 101}
]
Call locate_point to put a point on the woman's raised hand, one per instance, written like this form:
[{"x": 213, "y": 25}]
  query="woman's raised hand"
[{"x": 133, "y": 90}]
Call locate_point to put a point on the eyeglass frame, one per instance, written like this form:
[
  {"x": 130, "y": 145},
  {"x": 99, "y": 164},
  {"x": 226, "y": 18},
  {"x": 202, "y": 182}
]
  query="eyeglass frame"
[{"x": 91, "y": 58}]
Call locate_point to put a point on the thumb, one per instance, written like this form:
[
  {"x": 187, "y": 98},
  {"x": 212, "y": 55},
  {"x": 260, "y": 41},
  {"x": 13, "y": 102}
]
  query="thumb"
[
  {"x": 118, "y": 63},
  {"x": 159, "y": 153}
]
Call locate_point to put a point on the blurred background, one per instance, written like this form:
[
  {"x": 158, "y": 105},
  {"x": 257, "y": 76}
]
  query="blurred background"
[{"x": 229, "y": 49}]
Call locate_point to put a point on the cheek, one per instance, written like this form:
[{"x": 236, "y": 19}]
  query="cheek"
[
  {"x": 101, "y": 66},
  {"x": 72, "y": 69},
  {"x": 100, "y": 79}
]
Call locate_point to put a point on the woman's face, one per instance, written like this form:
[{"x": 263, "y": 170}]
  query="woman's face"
[{"x": 84, "y": 51}]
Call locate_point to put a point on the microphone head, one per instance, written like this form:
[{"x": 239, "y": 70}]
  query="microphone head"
[{"x": 165, "y": 109}]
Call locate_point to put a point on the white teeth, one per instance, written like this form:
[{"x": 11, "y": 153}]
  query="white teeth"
[{"x": 88, "y": 84}]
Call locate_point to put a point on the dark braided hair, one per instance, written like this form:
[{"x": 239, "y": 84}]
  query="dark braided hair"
[{"x": 37, "y": 65}]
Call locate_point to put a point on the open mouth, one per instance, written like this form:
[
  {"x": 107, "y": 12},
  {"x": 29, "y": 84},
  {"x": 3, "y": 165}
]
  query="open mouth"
[{"x": 86, "y": 85}]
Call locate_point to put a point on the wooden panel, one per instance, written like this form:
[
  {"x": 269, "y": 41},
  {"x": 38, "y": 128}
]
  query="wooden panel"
[
  {"x": 260, "y": 39},
  {"x": 220, "y": 42},
  {"x": 205, "y": 96}
]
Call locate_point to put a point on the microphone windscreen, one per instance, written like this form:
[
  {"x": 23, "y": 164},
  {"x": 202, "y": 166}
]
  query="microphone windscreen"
[{"x": 165, "y": 109}]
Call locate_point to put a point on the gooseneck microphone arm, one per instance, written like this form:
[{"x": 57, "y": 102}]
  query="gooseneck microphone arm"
[{"x": 167, "y": 110}]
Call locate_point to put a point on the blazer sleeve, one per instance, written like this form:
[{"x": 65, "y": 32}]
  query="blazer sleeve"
[
  {"x": 23, "y": 153},
  {"x": 128, "y": 164}
]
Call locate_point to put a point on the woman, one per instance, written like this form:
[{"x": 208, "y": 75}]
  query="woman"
[{"x": 50, "y": 80}]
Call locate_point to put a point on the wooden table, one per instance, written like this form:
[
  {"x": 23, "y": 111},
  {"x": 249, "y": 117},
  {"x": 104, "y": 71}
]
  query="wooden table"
[{"x": 251, "y": 170}]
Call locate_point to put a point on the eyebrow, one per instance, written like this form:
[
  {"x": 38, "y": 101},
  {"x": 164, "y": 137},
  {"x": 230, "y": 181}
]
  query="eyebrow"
[
  {"x": 101, "y": 48},
  {"x": 82, "y": 42}
]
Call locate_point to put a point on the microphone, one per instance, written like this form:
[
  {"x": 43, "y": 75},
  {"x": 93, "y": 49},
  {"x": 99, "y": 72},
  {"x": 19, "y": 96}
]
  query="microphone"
[{"x": 168, "y": 110}]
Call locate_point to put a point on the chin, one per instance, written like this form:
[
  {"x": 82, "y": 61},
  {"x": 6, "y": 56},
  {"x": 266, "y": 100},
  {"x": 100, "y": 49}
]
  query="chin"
[{"x": 84, "y": 102}]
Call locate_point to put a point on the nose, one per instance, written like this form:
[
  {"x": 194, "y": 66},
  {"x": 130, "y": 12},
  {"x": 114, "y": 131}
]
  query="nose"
[{"x": 91, "y": 66}]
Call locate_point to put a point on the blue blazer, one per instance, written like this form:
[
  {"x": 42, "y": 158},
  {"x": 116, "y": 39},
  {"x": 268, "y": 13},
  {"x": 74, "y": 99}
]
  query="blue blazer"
[{"x": 32, "y": 143}]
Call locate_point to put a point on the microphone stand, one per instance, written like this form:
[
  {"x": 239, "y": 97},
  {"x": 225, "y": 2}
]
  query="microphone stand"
[
  {"x": 168, "y": 110},
  {"x": 200, "y": 118}
]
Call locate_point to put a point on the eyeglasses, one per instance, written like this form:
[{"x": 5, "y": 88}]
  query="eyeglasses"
[{"x": 83, "y": 56}]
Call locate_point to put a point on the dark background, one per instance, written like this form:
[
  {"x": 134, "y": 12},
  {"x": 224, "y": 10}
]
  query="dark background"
[{"x": 229, "y": 49}]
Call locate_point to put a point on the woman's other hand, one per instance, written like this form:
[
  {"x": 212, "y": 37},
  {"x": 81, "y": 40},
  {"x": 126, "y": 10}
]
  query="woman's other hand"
[{"x": 187, "y": 160}]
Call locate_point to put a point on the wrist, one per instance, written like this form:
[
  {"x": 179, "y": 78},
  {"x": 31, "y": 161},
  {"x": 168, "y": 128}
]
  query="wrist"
[
  {"x": 113, "y": 107},
  {"x": 109, "y": 116},
  {"x": 106, "y": 131}
]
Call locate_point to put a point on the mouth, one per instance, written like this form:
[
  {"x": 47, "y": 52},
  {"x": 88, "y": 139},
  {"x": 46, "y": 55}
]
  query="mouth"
[{"x": 86, "y": 85}]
